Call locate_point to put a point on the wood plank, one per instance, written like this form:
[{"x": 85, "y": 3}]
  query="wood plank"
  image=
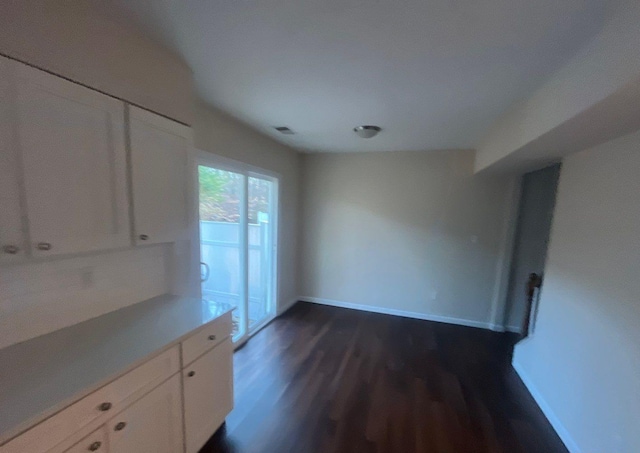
[{"x": 326, "y": 379}]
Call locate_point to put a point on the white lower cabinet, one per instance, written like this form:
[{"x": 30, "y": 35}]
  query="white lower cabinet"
[
  {"x": 158, "y": 407},
  {"x": 96, "y": 441},
  {"x": 208, "y": 394},
  {"x": 152, "y": 424}
]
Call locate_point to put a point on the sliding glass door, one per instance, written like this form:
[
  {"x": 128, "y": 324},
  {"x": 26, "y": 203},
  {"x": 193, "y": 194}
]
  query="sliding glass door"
[
  {"x": 238, "y": 213},
  {"x": 261, "y": 234}
]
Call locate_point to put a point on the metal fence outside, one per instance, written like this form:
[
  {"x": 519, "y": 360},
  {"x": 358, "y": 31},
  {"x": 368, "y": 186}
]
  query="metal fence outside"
[{"x": 220, "y": 251}]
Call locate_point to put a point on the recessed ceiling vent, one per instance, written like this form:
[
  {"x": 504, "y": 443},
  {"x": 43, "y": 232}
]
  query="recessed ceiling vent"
[{"x": 284, "y": 130}]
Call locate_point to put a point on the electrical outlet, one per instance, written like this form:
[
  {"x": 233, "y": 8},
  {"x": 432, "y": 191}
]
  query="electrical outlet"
[{"x": 86, "y": 275}]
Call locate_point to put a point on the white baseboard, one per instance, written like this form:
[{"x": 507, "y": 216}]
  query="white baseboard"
[
  {"x": 287, "y": 306},
  {"x": 557, "y": 425},
  {"x": 406, "y": 314}
]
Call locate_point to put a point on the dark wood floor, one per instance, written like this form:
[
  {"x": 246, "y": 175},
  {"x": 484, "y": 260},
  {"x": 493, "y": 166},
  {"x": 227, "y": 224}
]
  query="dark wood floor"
[{"x": 324, "y": 379}]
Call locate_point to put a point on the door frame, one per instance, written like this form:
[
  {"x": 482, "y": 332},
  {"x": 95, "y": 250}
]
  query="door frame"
[{"x": 224, "y": 163}]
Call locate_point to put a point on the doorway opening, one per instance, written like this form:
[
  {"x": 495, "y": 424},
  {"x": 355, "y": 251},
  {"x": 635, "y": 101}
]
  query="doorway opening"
[{"x": 533, "y": 228}]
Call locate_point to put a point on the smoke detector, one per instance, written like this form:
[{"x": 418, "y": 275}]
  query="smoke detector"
[{"x": 367, "y": 131}]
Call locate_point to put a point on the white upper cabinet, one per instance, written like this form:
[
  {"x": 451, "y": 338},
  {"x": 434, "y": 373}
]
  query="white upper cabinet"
[
  {"x": 72, "y": 149},
  {"x": 66, "y": 182},
  {"x": 12, "y": 238},
  {"x": 159, "y": 174}
]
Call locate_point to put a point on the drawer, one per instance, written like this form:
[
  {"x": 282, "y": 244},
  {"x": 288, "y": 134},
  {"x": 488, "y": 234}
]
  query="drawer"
[
  {"x": 206, "y": 338},
  {"x": 97, "y": 406},
  {"x": 96, "y": 441}
]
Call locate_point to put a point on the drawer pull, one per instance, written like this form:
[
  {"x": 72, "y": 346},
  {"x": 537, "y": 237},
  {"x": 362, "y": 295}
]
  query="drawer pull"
[
  {"x": 44, "y": 246},
  {"x": 120, "y": 426},
  {"x": 105, "y": 406},
  {"x": 95, "y": 446},
  {"x": 11, "y": 249},
  {"x": 212, "y": 337},
  {"x": 144, "y": 237},
  {"x": 191, "y": 373}
]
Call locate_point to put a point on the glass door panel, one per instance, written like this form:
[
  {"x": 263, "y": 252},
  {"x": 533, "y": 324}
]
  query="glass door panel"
[
  {"x": 261, "y": 215},
  {"x": 222, "y": 240},
  {"x": 238, "y": 226}
]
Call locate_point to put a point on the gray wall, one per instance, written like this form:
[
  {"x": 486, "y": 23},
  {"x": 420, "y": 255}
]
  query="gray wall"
[
  {"x": 535, "y": 215},
  {"x": 410, "y": 231}
]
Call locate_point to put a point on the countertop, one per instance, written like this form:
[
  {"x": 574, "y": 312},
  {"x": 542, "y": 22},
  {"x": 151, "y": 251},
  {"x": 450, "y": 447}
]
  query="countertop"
[{"x": 43, "y": 375}]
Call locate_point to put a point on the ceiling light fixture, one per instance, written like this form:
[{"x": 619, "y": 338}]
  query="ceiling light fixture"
[{"x": 367, "y": 131}]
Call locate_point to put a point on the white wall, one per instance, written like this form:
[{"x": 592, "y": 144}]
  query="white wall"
[
  {"x": 38, "y": 298},
  {"x": 583, "y": 362},
  {"x": 604, "y": 67},
  {"x": 222, "y": 135},
  {"x": 80, "y": 40},
  {"x": 414, "y": 232}
]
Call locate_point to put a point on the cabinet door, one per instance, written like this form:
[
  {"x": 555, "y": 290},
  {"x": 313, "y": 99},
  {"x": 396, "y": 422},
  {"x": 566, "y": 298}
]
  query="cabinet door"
[
  {"x": 12, "y": 239},
  {"x": 159, "y": 173},
  {"x": 153, "y": 424},
  {"x": 74, "y": 165},
  {"x": 208, "y": 394},
  {"x": 96, "y": 441}
]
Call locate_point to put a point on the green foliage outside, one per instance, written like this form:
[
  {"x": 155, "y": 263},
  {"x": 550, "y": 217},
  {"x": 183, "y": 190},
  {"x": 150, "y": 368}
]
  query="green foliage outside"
[
  {"x": 212, "y": 183},
  {"x": 220, "y": 196}
]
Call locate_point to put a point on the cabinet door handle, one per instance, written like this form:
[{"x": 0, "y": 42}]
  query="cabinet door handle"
[
  {"x": 95, "y": 446},
  {"x": 191, "y": 373},
  {"x": 212, "y": 337},
  {"x": 11, "y": 249},
  {"x": 120, "y": 426},
  {"x": 143, "y": 237},
  {"x": 105, "y": 406},
  {"x": 204, "y": 277},
  {"x": 44, "y": 246}
]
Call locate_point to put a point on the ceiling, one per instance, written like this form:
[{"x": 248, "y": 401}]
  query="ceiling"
[{"x": 433, "y": 74}]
